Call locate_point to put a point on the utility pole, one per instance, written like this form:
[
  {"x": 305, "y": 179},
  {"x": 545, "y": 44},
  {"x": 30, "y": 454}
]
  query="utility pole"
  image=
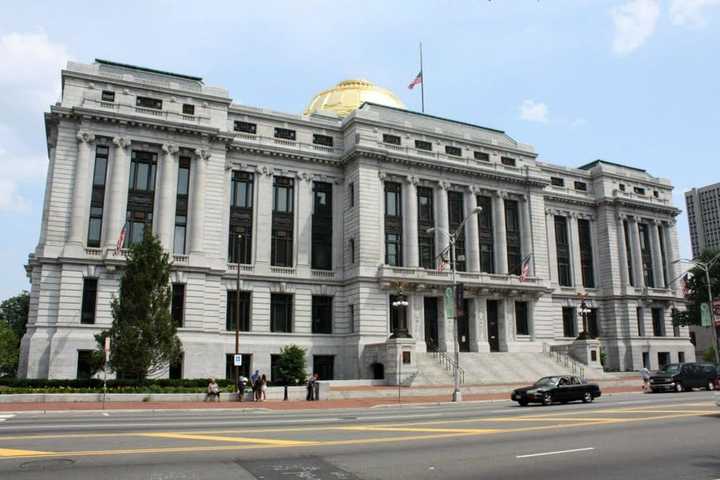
[{"x": 237, "y": 319}]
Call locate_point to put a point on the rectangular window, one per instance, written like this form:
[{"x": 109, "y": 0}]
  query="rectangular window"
[
  {"x": 241, "y": 218},
  {"x": 621, "y": 187},
  {"x": 656, "y": 194},
  {"x": 147, "y": 102},
  {"x": 245, "y": 127},
  {"x": 391, "y": 139},
  {"x": 562, "y": 248},
  {"x": 456, "y": 214},
  {"x": 639, "y": 315},
  {"x": 454, "y": 151},
  {"x": 285, "y": 134},
  {"x": 324, "y": 366},
  {"x": 108, "y": 96},
  {"x": 188, "y": 109},
  {"x": 181, "y": 206},
  {"x": 351, "y": 314},
  {"x": 393, "y": 249},
  {"x": 351, "y": 194},
  {"x": 283, "y": 195},
  {"x": 241, "y": 186},
  {"x": 486, "y": 234},
  {"x": 84, "y": 365},
  {"x": 175, "y": 370},
  {"x": 628, "y": 253},
  {"x": 322, "y": 226},
  {"x": 658, "y": 322},
  {"x": 569, "y": 322},
  {"x": 231, "y": 312},
  {"x": 639, "y": 190},
  {"x": 663, "y": 359},
  {"x": 646, "y": 254},
  {"x": 512, "y": 232},
  {"x": 180, "y": 234},
  {"x": 352, "y": 250},
  {"x": 393, "y": 224},
  {"x": 593, "y": 325},
  {"x": 178, "y": 304},
  {"x": 681, "y": 357},
  {"x": 97, "y": 198},
  {"x": 142, "y": 171},
  {"x": 89, "y": 301},
  {"x": 508, "y": 161},
  {"x": 393, "y": 202},
  {"x": 522, "y": 326},
  {"x": 481, "y": 156},
  {"x": 282, "y": 222},
  {"x": 581, "y": 186},
  {"x": 426, "y": 251},
  {"x": 244, "y": 369},
  {"x": 586, "y": 256},
  {"x": 425, "y": 205},
  {"x": 426, "y": 220},
  {"x": 282, "y": 246},
  {"x": 557, "y": 181},
  {"x": 281, "y": 312},
  {"x": 321, "y": 314},
  {"x": 324, "y": 140},
  {"x": 423, "y": 145},
  {"x": 663, "y": 258}
]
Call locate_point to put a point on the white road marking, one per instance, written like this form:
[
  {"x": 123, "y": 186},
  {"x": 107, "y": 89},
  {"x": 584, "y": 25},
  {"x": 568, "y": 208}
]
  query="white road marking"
[
  {"x": 558, "y": 452},
  {"x": 105, "y": 414},
  {"x": 5, "y": 417}
]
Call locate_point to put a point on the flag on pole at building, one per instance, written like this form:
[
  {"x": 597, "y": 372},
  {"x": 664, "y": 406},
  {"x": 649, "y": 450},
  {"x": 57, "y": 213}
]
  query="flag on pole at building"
[
  {"x": 121, "y": 238},
  {"x": 417, "y": 81},
  {"x": 525, "y": 268},
  {"x": 443, "y": 263},
  {"x": 684, "y": 284}
]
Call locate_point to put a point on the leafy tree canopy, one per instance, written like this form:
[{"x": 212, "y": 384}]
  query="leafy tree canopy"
[
  {"x": 697, "y": 289},
  {"x": 14, "y": 311},
  {"x": 291, "y": 365},
  {"x": 9, "y": 350}
]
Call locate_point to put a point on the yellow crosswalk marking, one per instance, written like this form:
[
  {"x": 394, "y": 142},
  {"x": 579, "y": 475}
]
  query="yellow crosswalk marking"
[
  {"x": 10, "y": 452},
  {"x": 220, "y": 438}
]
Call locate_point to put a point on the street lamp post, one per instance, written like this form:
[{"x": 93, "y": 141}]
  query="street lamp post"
[
  {"x": 584, "y": 310},
  {"x": 452, "y": 237},
  {"x": 705, "y": 266},
  {"x": 237, "y": 319}
]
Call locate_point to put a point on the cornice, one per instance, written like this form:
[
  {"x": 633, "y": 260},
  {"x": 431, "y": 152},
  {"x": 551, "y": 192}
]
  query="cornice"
[
  {"x": 615, "y": 202},
  {"x": 268, "y": 151}
]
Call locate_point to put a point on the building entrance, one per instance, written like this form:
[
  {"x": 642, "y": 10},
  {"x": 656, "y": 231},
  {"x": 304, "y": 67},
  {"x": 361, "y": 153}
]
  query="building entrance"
[
  {"x": 492, "y": 326},
  {"x": 464, "y": 327},
  {"x": 431, "y": 323}
]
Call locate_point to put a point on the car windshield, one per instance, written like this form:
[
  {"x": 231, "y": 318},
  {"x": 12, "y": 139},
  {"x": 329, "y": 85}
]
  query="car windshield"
[
  {"x": 547, "y": 381},
  {"x": 672, "y": 368}
]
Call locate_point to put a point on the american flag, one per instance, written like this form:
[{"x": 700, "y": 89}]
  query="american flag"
[
  {"x": 525, "y": 268},
  {"x": 443, "y": 263},
  {"x": 121, "y": 239},
  {"x": 417, "y": 81}
]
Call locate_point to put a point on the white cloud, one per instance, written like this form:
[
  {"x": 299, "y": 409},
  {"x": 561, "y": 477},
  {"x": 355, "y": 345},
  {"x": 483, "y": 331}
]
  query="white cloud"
[
  {"x": 690, "y": 13},
  {"x": 634, "y": 23},
  {"x": 533, "y": 111}
]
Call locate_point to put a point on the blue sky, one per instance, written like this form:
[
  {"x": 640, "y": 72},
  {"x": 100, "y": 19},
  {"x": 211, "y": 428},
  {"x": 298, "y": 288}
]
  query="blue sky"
[{"x": 631, "y": 81}]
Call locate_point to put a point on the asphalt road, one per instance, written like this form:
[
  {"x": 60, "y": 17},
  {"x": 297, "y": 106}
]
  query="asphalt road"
[{"x": 633, "y": 436}]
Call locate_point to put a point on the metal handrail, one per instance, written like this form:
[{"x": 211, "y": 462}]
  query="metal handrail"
[
  {"x": 446, "y": 361},
  {"x": 562, "y": 356}
]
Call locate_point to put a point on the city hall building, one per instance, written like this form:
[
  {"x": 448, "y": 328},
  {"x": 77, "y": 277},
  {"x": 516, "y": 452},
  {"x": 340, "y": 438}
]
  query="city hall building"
[{"x": 328, "y": 218}]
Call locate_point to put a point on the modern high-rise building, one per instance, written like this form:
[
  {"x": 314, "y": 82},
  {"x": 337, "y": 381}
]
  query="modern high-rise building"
[
  {"x": 328, "y": 217},
  {"x": 703, "y": 210}
]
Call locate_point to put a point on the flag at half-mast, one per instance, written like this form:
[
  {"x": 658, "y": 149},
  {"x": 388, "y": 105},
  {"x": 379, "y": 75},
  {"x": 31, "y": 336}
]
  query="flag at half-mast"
[
  {"x": 417, "y": 81},
  {"x": 121, "y": 238},
  {"x": 525, "y": 268}
]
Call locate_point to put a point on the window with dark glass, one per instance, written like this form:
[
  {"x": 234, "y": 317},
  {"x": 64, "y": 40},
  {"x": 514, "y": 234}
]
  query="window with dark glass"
[
  {"x": 509, "y": 161},
  {"x": 321, "y": 314},
  {"x": 181, "y": 206},
  {"x": 141, "y": 195},
  {"x": 658, "y": 322},
  {"x": 231, "y": 311},
  {"x": 393, "y": 224},
  {"x": 426, "y": 220},
  {"x": 281, "y": 312},
  {"x": 621, "y": 187},
  {"x": 282, "y": 222},
  {"x": 593, "y": 324},
  {"x": 324, "y": 366},
  {"x": 663, "y": 258},
  {"x": 557, "y": 181},
  {"x": 391, "y": 139},
  {"x": 148, "y": 102},
  {"x": 581, "y": 186},
  {"x": 562, "y": 247},
  {"x": 423, "y": 145},
  {"x": 108, "y": 96},
  {"x": 639, "y": 190},
  {"x": 175, "y": 370},
  {"x": 628, "y": 253},
  {"x": 244, "y": 369},
  {"x": 486, "y": 234},
  {"x": 456, "y": 214},
  {"x": 177, "y": 309},
  {"x": 324, "y": 140},
  {"x": 245, "y": 127},
  {"x": 569, "y": 322},
  {"x": 84, "y": 365},
  {"x": 241, "y": 218},
  {"x": 188, "y": 109},
  {"x": 656, "y": 194},
  {"x": 455, "y": 151},
  {"x": 512, "y": 233},
  {"x": 351, "y": 194},
  {"x": 351, "y": 314},
  {"x": 285, "y": 133},
  {"x": 522, "y": 325},
  {"x": 482, "y": 156},
  {"x": 322, "y": 226},
  {"x": 640, "y": 321},
  {"x": 352, "y": 250},
  {"x": 97, "y": 198},
  {"x": 586, "y": 256},
  {"x": 646, "y": 254},
  {"x": 89, "y": 301}
]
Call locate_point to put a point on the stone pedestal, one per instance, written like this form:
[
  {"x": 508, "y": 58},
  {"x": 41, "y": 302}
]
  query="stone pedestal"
[
  {"x": 400, "y": 364},
  {"x": 587, "y": 352}
]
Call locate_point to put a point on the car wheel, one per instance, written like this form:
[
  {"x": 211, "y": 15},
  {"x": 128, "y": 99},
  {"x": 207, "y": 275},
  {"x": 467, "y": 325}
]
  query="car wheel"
[
  {"x": 679, "y": 388},
  {"x": 523, "y": 403},
  {"x": 587, "y": 398},
  {"x": 547, "y": 399}
]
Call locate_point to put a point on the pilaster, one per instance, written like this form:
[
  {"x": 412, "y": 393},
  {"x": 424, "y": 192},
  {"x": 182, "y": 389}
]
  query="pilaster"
[
  {"x": 410, "y": 229},
  {"x": 472, "y": 235},
  {"x": 575, "y": 251},
  {"x": 441, "y": 218},
  {"x": 81, "y": 189},
  {"x": 117, "y": 199},
  {"x": 500, "y": 232},
  {"x": 168, "y": 195},
  {"x": 197, "y": 202},
  {"x": 551, "y": 245},
  {"x": 657, "y": 255}
]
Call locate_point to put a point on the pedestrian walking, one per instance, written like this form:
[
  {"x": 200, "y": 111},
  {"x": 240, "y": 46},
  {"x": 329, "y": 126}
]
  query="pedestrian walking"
[
  {"x": 263, "y": 388},
  {"x": 242, "y": 381},
  {"x": 645, "y": 376},
  {"x": 310, "y": 388}
]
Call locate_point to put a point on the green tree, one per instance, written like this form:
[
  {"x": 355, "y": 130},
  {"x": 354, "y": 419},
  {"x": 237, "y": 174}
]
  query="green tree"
[
  {"x": 14, "y": 311},
  {"x": 143, "y": 337},
  {"x": 291, "y": 366},
  {"x": 9, "y": 350},
  {"x": 697, "y": 290}
]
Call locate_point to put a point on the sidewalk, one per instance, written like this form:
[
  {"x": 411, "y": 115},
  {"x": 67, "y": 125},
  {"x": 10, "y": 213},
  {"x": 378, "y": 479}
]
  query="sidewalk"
[{"x": 279, "y": 405}]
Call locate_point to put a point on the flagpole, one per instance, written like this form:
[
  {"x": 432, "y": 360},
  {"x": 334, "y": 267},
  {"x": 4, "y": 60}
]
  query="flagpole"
[{"x": 422, "y": 82}]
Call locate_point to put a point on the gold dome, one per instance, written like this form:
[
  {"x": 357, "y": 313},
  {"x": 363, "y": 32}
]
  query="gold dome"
[{"x": 348, "y": 95}]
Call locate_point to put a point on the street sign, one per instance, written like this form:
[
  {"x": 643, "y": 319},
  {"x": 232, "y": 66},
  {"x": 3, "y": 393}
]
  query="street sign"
[
  {"x": 705, "y": 315},
  {"x": 449, "y": 303},
  {"x": 237, "y": 360}
]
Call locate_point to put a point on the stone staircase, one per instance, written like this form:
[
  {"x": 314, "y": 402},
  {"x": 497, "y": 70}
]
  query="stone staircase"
[{"x": 493, "y": 368}]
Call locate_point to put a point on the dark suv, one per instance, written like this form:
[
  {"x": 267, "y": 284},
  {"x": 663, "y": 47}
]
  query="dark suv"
[{"x": 684, "y": 376}]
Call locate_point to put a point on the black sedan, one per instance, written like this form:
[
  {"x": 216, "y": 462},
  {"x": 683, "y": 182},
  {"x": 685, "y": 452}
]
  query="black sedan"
[{"x": 561, "y": 388}]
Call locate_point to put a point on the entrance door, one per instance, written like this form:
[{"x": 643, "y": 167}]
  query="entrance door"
[
  {"x": 431, "y": 323},
  {"x": 492, "y": 325},
  {"x": 464, "y": 328},
  {"x": 323, "y": 365}
]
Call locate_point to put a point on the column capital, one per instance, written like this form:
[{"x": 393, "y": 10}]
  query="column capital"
[
  {"x": 202, "y": 154},
  {"x": 170, "y": 149},
  {"x": 382, "y": 175},
  {"x": 122, "y": 142},
  {"x": 412, "y": 180},
  {"x": 307, "y": 177},
  {"x": 499, "y": 194},
  {"x": 474, "y": 189},
  {"x": 264, "y": 170},
  {"x": 83, "y": 136},
  {"x": 444, "y": 185}
]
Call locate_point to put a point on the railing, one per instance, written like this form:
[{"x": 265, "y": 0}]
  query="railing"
[
  {"x": 243, "y": 267},
  {"x": 561, "y": 355},
  {"x": 93, "y": 252},
  {"x": 445, "y": 361},
  {"x": 323, "y": 273},
  {"x": 289, "y": 271},
  {"x": 180, "y": 258}
]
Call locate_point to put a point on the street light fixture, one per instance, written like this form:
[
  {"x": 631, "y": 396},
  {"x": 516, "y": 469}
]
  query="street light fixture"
[
  {"x": 584, "y": 310},
  {"x": 705, "y": 266},
  {"x": 452, "y": 237}
]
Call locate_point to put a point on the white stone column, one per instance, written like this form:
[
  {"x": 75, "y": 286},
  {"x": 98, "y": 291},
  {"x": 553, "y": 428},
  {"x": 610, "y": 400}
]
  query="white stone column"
[
  {"x": 262, "y": 224},
  {"x": 636, "y": 252},
  {"x": 168, "y": 196},
  {"x": 505, "y": 323},
  {"x": 410, "y": 227},
  {"x": 575, "y": 251},
  {"x": 419, "y": 323},
  {"x": 442, "y": 220},
  {"x": 472, "y": 234},
  {"x": 474, "y": 325},
  {"x": 81, "y": 188},
  {"x": 197, "y": 201},
  {"x": 304, "y": 209},
  {"x": 526, "y": 232},
  {"x": 551, "y": 245},
  {"x": 117, "y": 198},
  {"x": 622, "y": 250},
  {"x": 657, "y": 259},
  {"x": 671, "y": 253},
  {"x": 500, "y": 233}
]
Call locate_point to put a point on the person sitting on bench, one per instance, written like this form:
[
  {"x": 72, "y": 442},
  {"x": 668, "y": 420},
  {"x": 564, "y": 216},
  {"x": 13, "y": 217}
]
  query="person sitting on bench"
[{"x": 213, "y": 391}]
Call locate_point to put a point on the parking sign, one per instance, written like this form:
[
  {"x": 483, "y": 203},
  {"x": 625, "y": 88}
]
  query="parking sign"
[{"x": 237, "y": 360}]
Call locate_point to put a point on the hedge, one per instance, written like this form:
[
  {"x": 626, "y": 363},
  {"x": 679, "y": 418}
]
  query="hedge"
[{"x": 93, "y": 385}]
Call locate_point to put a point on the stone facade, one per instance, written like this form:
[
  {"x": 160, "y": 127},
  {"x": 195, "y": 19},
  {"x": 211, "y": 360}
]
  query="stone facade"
[{"x": 109, "y": 108}]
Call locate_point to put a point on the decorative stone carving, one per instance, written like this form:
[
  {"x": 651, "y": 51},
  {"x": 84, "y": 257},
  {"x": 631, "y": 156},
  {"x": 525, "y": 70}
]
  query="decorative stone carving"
[
  {"x": 122, "y": 142},
  {"x": 411, "y": 179},
  {"x": 170, "y": 148},
  {"x": 382, "y": 175},
  {"x": 444, "y": 185},
  {"x": 202, "y": 154},
  {"x": 84, "y": 136}
]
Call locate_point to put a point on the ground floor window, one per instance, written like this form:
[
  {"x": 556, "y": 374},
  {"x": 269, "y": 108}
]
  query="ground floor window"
[
  {"x": 175, "y": 372},
  {"x": 244, "y": 368},
  {"x": 84, "y": 370},
  {"x": 663, "y": 359},
  {"x": 681, "y": 357},
  {"x": 569, "y": 323},
  {"x": 281, "y": 312},
  {"x": 593, "y": 324},
  {"x": 522, "y": 326},
  {"x": 324, "y": 366}
]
